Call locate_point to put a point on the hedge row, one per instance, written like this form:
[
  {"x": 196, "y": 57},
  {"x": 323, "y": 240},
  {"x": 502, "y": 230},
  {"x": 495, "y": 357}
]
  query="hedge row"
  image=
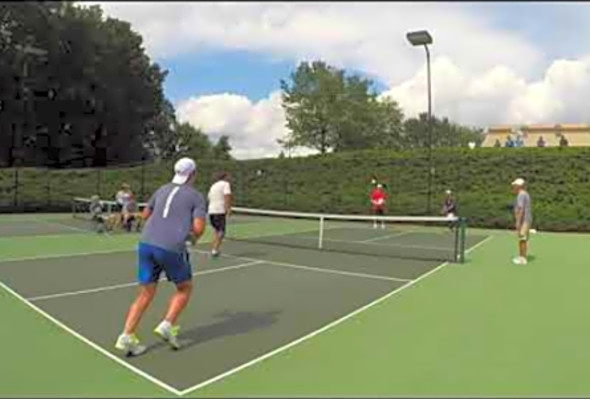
[{"x": 558, "y": 182}]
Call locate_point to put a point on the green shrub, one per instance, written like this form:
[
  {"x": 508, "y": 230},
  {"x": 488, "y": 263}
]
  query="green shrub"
[{"x": 558, "y": 180}]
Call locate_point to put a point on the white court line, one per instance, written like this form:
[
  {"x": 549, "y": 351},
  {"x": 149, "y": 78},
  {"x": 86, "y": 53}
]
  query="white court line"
[
  {"x": 338, "y": 272},
  {"x": 68, "y": 255},
  {"x": 479, "y": 244},
  {"x": 83, "y": 230},
  {"x": 126, "y": 285},
  {"x": 317, "y": 269},
  {"x": 369, "y": 243},
  {"x": 90, "y": 343},
  {"x": 320, "y": 330},
  {"x": 64, "y": 226},
  {"x": 385, "y": 237}
]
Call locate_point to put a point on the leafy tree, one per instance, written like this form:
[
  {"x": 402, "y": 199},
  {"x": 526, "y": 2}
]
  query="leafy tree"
[
  {"x": 222, "y": 149},
  {"x": 328, "y": 110},
  {"x": 444, "y": 133},
  {"x": 96, "y": 98},
  {"x": 193, "y": 142}
]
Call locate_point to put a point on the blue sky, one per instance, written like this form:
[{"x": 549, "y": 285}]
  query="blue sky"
[
  {"x": 250, "y": 74},
  {"x": 254, "y": 75},
  {"x": 492, "y": 63}
]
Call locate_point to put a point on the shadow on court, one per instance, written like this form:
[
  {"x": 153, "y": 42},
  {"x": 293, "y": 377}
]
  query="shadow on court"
[{"x": 230, "y": 323}]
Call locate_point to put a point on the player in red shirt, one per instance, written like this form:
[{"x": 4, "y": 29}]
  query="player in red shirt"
[{"x": 378, "y": 199}]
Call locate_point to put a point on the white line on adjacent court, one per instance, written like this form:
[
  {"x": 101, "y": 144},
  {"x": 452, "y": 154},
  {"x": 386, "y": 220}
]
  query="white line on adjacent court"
[
  {"x": 320, "y": 270},
  {"x": 68, "y": 255},
  {"x": 322, "y": 329},
  {"x": 90, "y": 343},
  {"x": 57, "y": 224},
  {"x": 126, "y": 285}
]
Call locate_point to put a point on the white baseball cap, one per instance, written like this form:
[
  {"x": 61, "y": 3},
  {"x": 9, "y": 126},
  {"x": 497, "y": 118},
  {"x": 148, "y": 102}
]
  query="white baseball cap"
[
  {"x": 183, "y": 169},
  {"x": 448, "y": 192},
  {"x": 518, "y": 182}
]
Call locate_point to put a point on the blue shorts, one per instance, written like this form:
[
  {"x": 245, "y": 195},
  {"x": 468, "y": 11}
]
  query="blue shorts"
[{"x": 152, "y": 261}]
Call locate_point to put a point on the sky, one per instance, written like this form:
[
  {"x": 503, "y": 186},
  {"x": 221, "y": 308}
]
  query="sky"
[{"x": 492, "y": 63}]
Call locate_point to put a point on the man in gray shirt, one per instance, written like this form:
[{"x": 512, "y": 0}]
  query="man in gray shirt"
[
  {"x": 174, "y": 211},
  {"x": 523, "y": 218}
]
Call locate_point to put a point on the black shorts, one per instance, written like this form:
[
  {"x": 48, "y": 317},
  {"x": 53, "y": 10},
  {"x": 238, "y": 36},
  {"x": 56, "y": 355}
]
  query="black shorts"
[
  {"x": 379, "y": 211},
  {"x": 218, "y": 222}
]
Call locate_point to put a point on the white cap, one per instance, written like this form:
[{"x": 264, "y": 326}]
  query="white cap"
[
  {"x": 183, "y": 169},
  {"x": 518, "y": 182},
  {"x": 448, "y": 192}
]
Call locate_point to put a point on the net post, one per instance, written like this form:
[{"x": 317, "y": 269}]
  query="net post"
[
  {"x": 457, "y": 228},
  {"x": 321, "y": 236},
  {"x": 462, "y": 224}
]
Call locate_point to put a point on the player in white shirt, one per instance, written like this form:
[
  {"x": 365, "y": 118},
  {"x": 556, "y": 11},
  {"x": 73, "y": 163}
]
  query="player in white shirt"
[{"x": 220, "y": 198}]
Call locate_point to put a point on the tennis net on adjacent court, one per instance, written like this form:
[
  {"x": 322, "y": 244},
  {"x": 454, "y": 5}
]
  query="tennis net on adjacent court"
[{"x": 411, "y": 237}]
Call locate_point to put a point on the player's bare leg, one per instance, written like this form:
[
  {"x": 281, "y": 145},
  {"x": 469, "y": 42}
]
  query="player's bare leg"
[
  {"x": 139, "y": 306},
  {"x": 167, "y": 329},
  {"x": 127, "y": 341},
  {"x": 522, "y": 246},
  {"x": 216, "y": 242},
  {"x": 179, "y": 301}
]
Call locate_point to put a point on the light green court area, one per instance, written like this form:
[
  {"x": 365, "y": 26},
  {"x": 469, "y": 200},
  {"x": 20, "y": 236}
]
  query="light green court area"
[{"x": 483, "y": 328}]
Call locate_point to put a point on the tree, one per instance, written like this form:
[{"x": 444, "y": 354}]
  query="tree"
[
  {"x": 389, "y": 127},
  {"x": 328, "y": 110},
  {"x": 222, "y": 149},
  {"x": 95, "y": 99},
  {"x": 444, "y": 133},
  {"x": 193, "y": 142}
]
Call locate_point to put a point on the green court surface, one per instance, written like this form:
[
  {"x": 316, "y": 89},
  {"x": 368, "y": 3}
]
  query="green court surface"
[{"x": 278, "y": 319}]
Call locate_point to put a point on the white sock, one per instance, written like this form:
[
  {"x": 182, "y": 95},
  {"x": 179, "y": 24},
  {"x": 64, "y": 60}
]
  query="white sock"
[{"x": 166, "y": 324}]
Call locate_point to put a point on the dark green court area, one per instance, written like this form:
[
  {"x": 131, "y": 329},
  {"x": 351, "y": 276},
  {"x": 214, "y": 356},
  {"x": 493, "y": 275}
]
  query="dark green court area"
[{"x": 257, "y": 297}]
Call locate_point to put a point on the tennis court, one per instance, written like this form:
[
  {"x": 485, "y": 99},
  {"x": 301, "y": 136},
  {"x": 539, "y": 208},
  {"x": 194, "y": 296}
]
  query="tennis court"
[{"x": 273, "y": 292}]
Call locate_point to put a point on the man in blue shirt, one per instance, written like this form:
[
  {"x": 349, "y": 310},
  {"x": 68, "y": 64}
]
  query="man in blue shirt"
[{"x": 174, "y": 211}]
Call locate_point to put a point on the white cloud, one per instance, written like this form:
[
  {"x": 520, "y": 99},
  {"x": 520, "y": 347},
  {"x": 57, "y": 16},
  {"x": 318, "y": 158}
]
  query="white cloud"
[
  {"x": 365, "y": 36},
  {"x": 253, "y": 127},
  {"x": 500, "y": 96},
  {"x": 482, "y": 75}
]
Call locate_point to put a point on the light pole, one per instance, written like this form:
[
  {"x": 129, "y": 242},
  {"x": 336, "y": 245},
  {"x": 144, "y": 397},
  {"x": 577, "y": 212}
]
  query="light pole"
[{"x": 423, "y": 38}]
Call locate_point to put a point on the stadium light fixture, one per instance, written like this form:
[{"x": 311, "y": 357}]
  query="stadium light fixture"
[{"x": 423, "y": 38}]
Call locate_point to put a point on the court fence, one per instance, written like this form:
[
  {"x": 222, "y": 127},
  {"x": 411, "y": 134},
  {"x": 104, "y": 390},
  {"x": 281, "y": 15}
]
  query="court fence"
[{"x": 558, "y": 180}]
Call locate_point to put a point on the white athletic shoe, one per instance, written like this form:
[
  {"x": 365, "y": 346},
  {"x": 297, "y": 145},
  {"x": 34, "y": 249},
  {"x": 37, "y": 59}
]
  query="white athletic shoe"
[
  {"x": 168, "y": 333},
  {"x": 129, "y": 344},
  {"x": 375, "y": 226},
  {"x": 383, "y": 226},
  {"x": 519, "y": 260},
  {"x": 214, "y": 254}
]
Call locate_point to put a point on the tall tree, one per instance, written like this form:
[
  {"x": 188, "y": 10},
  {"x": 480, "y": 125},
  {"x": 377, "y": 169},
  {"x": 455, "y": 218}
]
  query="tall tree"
[
  {"x": 95, "y": 99},
  {"x": 328, "y": 110}
]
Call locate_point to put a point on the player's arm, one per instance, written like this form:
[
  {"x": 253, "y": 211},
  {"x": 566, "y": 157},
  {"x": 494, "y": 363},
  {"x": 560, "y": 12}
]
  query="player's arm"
[
  {"x": 518, "y": 213},
  {"x": 227, "y": 199},
  {"x": 199, "y": 218},
  {"x": 147, "y": 211}
]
